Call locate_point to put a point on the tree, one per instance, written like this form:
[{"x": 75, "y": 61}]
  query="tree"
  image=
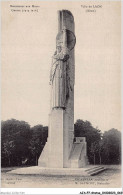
[
  {"x": 94, "y": 150},
  {"x": 15, "y": 137},
  {"x": 7, "y": 150},
  {"x": 100, "y": 148},
  {"x": 111, "y": 147},
  {"x": 20, "y": 143},
  {"x": 37, "y": 142}
]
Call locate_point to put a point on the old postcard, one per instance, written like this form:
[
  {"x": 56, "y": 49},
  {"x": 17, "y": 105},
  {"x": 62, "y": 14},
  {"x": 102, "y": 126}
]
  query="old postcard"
[{"x": 61, "y": 94}]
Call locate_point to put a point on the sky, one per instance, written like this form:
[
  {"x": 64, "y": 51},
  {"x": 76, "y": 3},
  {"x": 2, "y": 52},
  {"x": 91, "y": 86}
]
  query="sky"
[{"x": 28, "y": 43}]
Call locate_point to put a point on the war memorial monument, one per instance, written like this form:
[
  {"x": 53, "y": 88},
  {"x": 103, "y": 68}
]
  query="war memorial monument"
[{"x": 62, "y": 149}]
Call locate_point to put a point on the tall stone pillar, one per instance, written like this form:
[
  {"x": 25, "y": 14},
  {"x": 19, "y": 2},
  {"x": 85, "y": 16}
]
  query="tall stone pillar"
[
  {"x": 59, "y": 144},
  {"x": 61, "y": 150}
]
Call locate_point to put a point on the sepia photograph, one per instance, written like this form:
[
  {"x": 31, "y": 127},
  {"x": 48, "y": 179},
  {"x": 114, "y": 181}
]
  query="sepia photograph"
[{"x": 61, "y": 94}]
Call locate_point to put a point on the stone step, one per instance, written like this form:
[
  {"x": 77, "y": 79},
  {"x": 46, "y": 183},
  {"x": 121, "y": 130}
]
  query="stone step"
[
  {"x": 92, "y": 168},
  {"x": 98, "y": 171},
  {"x": 95, "y": 171},
  {"x": 56, "y": 171},
  {"x": 49, "y": 171}
]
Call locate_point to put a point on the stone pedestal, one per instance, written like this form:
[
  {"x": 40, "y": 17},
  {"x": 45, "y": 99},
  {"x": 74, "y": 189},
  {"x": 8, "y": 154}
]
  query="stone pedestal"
[{"x": 60, "y": 141}]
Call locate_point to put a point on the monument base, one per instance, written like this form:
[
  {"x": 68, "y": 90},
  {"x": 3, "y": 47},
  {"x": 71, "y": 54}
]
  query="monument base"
[
  {"x": 36, "y": 170},
  {"x": 53, "y": 157},
  {"x": 52, "y": 154}
]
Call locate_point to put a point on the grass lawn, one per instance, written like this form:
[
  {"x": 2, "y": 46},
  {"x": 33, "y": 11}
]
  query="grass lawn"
[{"x": 110, "y": 178}]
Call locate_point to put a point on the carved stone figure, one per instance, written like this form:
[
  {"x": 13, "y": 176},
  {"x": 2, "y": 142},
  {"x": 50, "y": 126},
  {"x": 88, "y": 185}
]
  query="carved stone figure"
[{"x": 58, "y": 74}]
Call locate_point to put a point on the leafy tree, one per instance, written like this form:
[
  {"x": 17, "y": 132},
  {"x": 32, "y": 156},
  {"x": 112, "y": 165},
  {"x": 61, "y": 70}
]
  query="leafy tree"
[
  {"x": 111, "y": 147},
  {"x": 36, "y": 142},
  {"x": 94, "y": 150},
  {"x": 20, "y": 143},
  {"x": 8, "y": 148},
  {"x": 100, "y": 148},
  {"x": 15, "y": 137}
]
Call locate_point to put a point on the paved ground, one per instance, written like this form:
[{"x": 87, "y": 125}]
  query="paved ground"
[{"x": 107, "y": 179}]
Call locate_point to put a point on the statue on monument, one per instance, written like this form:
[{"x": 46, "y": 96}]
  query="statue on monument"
[{"x": 58, "y": 74}]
